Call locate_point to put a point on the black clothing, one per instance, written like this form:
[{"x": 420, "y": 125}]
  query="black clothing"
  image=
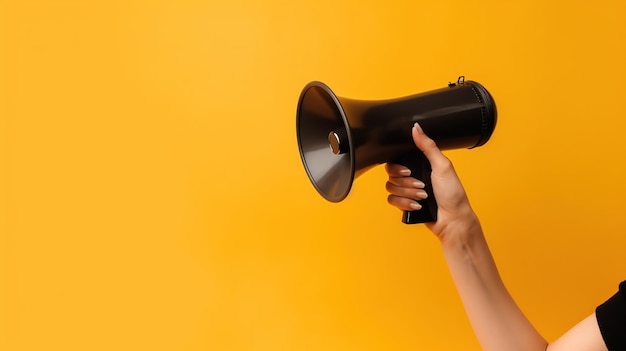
[{"x": 611, "y": 317}]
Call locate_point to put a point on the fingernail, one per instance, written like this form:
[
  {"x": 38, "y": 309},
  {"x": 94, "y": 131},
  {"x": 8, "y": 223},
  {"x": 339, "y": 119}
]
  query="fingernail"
[
  {"x": 422, "y": 194},
  {"x": 418, "y": 185},
  {"x": 415, "y": 206},
  {"x": 405, "y": 172}
]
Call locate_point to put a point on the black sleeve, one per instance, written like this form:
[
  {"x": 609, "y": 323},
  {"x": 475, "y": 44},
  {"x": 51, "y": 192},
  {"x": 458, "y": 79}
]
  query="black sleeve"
[{"x": 611, "y": 317}]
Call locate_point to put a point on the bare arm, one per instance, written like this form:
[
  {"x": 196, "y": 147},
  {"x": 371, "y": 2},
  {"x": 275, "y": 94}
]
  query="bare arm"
[
  {"x": 497, "y": 321},
  {"x": 583, "y": 336}
]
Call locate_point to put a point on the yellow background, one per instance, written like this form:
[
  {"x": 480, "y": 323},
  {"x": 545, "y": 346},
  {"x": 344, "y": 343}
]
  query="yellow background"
[{"x": 153, "y": 196}]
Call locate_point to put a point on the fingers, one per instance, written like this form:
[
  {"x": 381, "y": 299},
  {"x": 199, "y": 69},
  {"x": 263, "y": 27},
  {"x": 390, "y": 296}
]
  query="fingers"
[
  {"x": 403, "y": 203},
  {"x": 396, "y": 170},
  {"x": 407, "y": 182},
  {"x": 404, "y": 190},
  {"x": 404, "y": 193},
  {"x": 408, "y": 192}
]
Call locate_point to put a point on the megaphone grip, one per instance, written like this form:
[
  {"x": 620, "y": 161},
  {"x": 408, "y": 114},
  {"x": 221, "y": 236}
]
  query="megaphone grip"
[{"x": 420, "y": 169}]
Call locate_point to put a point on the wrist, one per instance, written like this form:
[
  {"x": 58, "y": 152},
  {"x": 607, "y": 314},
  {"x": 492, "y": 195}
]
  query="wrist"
[{"x": 461, "y": 231}]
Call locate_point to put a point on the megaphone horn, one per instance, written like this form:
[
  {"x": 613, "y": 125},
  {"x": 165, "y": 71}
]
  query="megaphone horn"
[{"x": 340, "y": 138}]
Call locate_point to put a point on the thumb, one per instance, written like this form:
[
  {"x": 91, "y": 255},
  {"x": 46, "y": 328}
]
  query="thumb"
[{"x": 428, "y": 147}]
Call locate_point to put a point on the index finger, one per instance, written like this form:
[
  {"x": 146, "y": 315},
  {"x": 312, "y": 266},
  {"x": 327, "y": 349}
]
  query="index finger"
[{"x": 396, "y": 170}]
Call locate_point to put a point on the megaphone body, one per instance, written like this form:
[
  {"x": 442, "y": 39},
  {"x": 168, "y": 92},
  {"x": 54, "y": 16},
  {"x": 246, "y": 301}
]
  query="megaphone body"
[{"x": 341, "y": 138}]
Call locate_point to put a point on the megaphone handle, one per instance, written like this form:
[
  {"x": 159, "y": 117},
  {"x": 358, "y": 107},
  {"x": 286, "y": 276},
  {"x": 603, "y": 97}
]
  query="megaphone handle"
[{"x": 420, "y": 169}]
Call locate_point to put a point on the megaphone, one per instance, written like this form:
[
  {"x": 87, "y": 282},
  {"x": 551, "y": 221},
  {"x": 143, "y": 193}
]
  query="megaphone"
[{"x": 341, "y": 138}]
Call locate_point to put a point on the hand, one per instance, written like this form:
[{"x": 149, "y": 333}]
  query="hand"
[{"x": 454, "y": 210}]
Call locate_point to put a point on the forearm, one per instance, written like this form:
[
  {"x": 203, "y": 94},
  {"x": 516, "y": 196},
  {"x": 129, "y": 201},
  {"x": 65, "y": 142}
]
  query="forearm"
[{"x": 498, "y": 322}]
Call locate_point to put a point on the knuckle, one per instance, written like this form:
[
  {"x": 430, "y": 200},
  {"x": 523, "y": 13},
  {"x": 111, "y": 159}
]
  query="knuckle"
[
  {"x": 408, "y": 182},
  {"x": 429, "y": 143},
  {"x": 392, "y": 200}
]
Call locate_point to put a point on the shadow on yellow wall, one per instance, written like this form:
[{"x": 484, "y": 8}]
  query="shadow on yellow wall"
[{"x": 154, "y": 199}]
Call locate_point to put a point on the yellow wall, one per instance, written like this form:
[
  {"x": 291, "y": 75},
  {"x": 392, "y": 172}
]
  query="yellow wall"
[{"x": 153, "y": 197}]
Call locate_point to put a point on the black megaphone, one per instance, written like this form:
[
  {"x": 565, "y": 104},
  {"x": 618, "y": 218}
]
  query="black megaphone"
[{"x": 341, "y": 138}]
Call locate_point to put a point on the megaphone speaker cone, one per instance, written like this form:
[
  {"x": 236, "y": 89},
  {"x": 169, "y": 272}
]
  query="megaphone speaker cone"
[{"x": 325, "y": 142}]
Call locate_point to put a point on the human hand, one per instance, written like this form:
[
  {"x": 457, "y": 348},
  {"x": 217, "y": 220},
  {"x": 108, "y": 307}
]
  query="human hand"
[{"x": 454, "y": 210}]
